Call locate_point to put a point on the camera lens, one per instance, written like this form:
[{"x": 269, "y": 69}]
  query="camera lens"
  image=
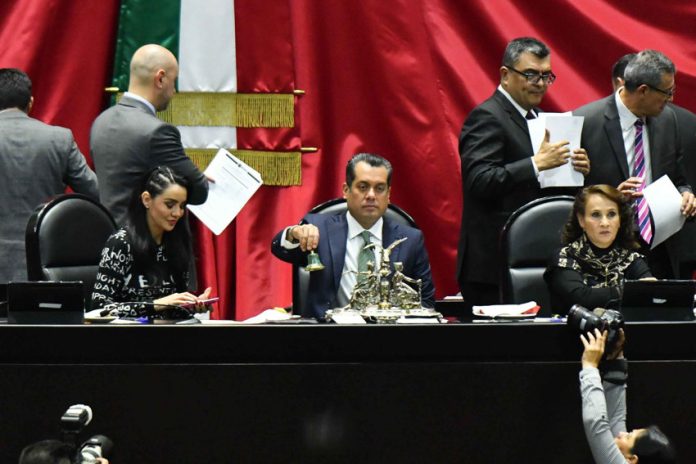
[{"x": 585, "y": 320}]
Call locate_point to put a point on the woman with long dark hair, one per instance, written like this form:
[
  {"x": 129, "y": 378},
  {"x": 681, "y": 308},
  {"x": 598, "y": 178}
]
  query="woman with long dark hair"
[
  {"x": 144, "y": 267},
  {"x": 599, "y": 252}
]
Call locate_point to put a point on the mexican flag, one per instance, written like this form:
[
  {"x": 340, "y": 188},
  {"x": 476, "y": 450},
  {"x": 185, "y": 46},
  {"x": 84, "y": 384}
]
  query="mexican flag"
[{"x": 207, "y": 108}]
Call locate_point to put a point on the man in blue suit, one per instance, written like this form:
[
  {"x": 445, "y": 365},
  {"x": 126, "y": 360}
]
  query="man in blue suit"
[{"x": 338, "y": 239}]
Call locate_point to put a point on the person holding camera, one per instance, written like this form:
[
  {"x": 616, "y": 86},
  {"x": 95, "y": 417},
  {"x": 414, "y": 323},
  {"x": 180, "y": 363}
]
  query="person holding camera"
[
  {"x": 603, "y": 392},
  {"x": 53, "y": 452},
  {"x": 598, "y": 254}
]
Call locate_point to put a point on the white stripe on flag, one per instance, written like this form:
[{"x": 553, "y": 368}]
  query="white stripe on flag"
[
  {"x": 207, "y": 50},
  {"x": 208, "y": 137},
  {"x": 207, "y": 63}
]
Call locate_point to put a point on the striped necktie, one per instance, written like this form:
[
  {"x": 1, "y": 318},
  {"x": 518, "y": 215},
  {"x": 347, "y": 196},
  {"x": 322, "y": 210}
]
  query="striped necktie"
[
  {"x": 366, "y": 255},
  {"x": 643, "y": 214}
]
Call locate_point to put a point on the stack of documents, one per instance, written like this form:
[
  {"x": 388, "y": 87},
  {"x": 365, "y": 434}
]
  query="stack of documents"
[{"x": 508, "y": 311}]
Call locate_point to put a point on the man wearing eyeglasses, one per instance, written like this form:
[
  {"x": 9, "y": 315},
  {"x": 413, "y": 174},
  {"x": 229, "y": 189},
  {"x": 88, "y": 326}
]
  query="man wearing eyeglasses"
[
  {"x": 686, "y": 124},
  {"x": 499, "y": 167},
  {"x": 632, "y": 139}
]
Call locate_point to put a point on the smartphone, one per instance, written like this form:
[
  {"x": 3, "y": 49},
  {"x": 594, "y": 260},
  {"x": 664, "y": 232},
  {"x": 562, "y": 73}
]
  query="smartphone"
[{"x": 206, "y": 301}]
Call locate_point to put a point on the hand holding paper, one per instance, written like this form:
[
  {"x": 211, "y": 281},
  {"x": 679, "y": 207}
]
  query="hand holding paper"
[
  {"x": 234, "y": 185},
  {"x": 688, "y": 207},
  {"x": 665, "y": 204},
  {"x": 551, "y": 155},
  {"x": 559, "y": 133}
]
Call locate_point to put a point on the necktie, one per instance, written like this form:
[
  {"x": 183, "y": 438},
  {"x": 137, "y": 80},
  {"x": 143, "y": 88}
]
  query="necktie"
[
  {"x": 530, "y": 115},
  {"x": 366, "y": 255},
  {"x": 643, "y": 214}
]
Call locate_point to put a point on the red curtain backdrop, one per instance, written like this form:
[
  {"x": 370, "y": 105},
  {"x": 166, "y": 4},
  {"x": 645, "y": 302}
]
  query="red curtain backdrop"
[
  {"x": 396, "y": 78},
  {"x": 66, "y": 47}
]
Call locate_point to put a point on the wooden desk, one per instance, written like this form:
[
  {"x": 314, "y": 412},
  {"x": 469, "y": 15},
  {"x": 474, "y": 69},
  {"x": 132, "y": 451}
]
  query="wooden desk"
[{"x": 474, "y": 393}]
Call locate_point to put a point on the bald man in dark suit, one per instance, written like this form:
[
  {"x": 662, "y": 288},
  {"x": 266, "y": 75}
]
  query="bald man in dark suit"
[{"x": 128, "y": 140}]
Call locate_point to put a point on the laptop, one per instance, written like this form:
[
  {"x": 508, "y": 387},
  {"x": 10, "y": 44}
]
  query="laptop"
[
  {"x": 658, "y": 300},
  {"x": 3, "y": 301},
  {"x": 45, "y": 302}
]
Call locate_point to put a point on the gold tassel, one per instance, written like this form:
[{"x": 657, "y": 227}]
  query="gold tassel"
[
  {"x": 276, "y": 168},
  {"x": 229, "y": 109}
]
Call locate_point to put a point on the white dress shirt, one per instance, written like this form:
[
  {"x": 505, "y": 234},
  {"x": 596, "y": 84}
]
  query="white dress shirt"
[
  {"x": 627, "y": 120},
  {"x": 523, "y": 113},
  {"x": 354, "y": 243},
  {"x": 141, "y": 99}
]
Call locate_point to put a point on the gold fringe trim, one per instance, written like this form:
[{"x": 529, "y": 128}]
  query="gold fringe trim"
[
  {"x": 277, "y": 168},
  {"x": 230, "y": 109}
]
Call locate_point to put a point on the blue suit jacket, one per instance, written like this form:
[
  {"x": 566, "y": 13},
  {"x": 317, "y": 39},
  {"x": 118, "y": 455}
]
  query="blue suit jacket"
[{"x": 333, "y": 234}]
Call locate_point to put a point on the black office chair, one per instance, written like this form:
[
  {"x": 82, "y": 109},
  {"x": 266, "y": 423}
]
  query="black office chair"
[
  {"x": 300, "y": 277},
  {"x": 528, "y": 241},
  {"x": 64, "y": 240}
]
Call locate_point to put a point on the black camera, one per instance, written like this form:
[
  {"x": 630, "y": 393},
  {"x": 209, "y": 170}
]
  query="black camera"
[
  {"x": 73, "y": 421},
  {"x": 585, "y": 321}
]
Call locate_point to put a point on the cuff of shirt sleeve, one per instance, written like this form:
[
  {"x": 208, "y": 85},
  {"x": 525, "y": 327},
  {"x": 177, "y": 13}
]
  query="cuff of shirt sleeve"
[
  {"x": 285, "y": 243},
  {"x": 615, "y": 371},
  {"x": 536, "y": 169}
]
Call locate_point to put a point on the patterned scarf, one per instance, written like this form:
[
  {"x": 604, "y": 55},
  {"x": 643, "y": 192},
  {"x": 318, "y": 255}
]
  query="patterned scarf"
[{"x": 598, "y": 267}]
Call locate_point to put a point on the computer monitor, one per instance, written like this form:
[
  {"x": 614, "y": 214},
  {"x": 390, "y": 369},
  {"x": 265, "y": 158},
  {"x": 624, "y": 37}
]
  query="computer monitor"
[
  {"x": 658, "y": 300},
  {"x": 45, "y": 302}
]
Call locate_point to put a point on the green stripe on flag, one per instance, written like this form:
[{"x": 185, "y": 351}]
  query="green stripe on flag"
[{"x": 142, "y": 22}]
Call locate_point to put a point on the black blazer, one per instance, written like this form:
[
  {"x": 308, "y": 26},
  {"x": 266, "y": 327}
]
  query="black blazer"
[
  {"x": 603, "y": 140},
  {"x": 497, "y": 178}
]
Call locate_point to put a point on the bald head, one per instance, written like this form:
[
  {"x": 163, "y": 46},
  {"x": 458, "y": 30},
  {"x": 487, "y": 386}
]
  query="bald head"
[{"x": 153, "y": 73}]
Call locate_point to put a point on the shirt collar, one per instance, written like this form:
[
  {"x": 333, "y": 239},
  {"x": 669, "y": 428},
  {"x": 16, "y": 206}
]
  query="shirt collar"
[
  {"x": 142, "y": 100},
  {"x": 521, "y": 110},
  {"x": 626, "y": 117},
  {"x": 8, "y": 110},
  {"x": 355, "y": 229}
]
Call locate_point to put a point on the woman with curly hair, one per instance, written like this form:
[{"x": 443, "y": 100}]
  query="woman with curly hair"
[{"x": 598, "y": 253}]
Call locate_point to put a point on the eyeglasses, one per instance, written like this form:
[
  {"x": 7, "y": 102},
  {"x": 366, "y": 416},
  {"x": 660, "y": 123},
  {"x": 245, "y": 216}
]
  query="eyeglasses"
[
  {"x": 534, "y": 77},
  {"x": 667, "y": 93}
]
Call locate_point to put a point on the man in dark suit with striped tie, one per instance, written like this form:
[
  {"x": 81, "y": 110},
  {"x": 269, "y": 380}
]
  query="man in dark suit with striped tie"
[{"x": 632, "y": 140}]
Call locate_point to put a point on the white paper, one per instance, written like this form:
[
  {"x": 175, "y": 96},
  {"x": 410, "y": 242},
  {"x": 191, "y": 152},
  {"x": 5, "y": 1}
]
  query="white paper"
[
  {"x": 235, "y": 183},
  {"x": 664, "y": 201},
  {"x": 347, "y": 317},
  {"x": 561, "y": 126},
  {"x": 503, "y": 309}
]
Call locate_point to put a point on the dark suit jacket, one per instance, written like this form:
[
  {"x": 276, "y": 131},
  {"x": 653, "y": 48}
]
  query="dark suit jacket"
[
  {"x": 497, "y": 177},
  {"x": 37, "y": 162},
  {"x": 126, "y": 142},
  {"x": 603, "y": 140},
  {"x": 333, "y": 234},
  {"x": 686, "y": 120}
]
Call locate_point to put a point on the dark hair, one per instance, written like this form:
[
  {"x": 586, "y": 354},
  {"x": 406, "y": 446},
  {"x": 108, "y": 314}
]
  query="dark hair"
[
  {"x": 625, "y": 238},
  {"x": 47, "y": 452},
  {"x": 375, "y": 161},
  {"x": 15, "y": 89},
  {"x": 647, "y": 67},
  {"x": 177, "y": 243},
  {"x": 653, "y": 447},
  {"x": 524, "y": 44},
  {"x": 617, "y": 71}
]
